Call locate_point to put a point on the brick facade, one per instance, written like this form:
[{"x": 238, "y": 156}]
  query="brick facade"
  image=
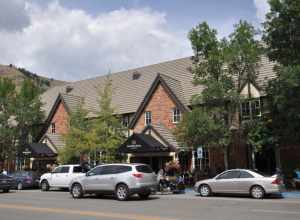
[
  {"x": 61, "y": 120},
  {"x": 161, "y": 106}
]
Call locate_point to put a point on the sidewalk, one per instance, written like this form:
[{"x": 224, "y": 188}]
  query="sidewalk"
[{"x": 291, "y": 194}]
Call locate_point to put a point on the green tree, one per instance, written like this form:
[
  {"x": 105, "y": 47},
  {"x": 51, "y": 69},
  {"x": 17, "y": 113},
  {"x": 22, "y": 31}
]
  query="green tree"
[
  {"x": 107, "y": 133},
  {"x": 243, "y": 60},
  {"x": 218, "y": 97},
  {"x": 282, "y": 31},
  {"x": 222, "y": 67},
  {"x": 244, "y": 55},
  {"x": 28, "y": 114},
  {"x": 77, "y": 142},
  {"x": 284, "y": 100},
  {"x": 282, "y": 37},
  {"x": 201, "y": 127},
  {"x": 8, "y": 131}
]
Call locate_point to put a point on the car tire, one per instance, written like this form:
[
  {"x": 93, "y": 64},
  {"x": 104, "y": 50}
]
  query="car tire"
[
  {"x": 144, "y": 196},
  {"x": 45, "y": 185},
  {"x": 122, "y": 192},
  {"x": 6, "y": 190},
  {"x": 19, "y": 186},
  {"x": 77, "y": 191},
  {"x": 204, "y": 190},
  {"x": 257, "y": 192}
]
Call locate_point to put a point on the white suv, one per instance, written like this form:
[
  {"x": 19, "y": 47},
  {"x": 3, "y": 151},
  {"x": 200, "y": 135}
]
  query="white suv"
[
  {"x": 121, "y": 180},
  {"x": 60, "y": 177}
]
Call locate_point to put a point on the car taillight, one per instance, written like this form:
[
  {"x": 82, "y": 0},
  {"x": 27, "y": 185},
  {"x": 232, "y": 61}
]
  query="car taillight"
[
  {"x": 276, "y": 181},
  {"x": 138, "y": 175}
]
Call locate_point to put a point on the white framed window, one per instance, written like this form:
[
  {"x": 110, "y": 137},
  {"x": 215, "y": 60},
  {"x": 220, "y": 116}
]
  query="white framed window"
[
  {"x": 176, "y": 115},
  {"x": 251, "y": 108},
  {"x": 53, "y": 129},
  {"x": 148, "y": 118},
  {"x": 125, "y": 120}
]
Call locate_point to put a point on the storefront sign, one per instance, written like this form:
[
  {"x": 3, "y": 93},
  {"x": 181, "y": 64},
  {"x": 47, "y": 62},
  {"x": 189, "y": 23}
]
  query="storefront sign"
[{"x": 134, "y": 146}]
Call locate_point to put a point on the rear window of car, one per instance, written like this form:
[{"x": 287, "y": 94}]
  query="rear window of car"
[
  {"x": 245, "y": 174},
  {"x": 122, "y": 169},
  {"x": 77, "y": 169},
  {"x": 144, "y": 169}
]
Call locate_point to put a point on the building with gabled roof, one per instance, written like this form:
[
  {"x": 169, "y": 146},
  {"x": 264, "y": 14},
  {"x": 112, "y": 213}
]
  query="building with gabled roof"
[{"x": 150, "y": 101}]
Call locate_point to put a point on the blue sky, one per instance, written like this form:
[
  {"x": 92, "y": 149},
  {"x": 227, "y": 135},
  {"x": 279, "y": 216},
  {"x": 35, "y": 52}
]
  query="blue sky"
[{"x": 76, "y": 39}]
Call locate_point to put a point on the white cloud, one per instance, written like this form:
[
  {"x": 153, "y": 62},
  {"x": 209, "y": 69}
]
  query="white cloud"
[
  {"x": 71, "y": 44},
  {"x": 262, "y": 8}
]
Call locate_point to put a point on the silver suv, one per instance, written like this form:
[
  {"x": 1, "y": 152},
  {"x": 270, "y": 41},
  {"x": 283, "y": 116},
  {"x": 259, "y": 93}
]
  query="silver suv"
[{"x": 121, "y": 180}]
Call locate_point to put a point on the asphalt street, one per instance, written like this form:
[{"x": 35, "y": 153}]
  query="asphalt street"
[{"x": 37, "y": 205}]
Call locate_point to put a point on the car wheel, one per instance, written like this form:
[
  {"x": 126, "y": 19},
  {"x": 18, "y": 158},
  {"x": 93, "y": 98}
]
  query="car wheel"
[
  {"x": 45, "y": 185},
  {"x": 20, "y": 186},
  {"x": 204, "y": 190},
  {"x": 257, "y": 192},
  {"x": 6, "y": 190},
  {"x": 122, "y": 192},
  {"x": 144, "y": 196},
  {"x": 77, "y": 191}
]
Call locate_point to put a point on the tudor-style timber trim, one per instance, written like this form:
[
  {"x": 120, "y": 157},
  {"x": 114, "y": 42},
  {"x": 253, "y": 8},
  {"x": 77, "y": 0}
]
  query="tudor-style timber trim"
[{"x": 158, "y": 80}]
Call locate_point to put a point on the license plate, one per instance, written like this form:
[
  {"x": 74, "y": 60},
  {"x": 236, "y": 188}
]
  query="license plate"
[{"x": 3, "y": 181}]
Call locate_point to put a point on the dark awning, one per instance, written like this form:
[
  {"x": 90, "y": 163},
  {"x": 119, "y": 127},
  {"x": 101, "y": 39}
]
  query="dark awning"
[
  {"x": 142, "y": 143},
  {"x": 41, "y": 150}
]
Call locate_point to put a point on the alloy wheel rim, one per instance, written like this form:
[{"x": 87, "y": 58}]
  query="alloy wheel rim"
[
  {"x": 44, "y": 186},
  {"x": 257, "y": 192},
  {"x": 121, "y": 192},
  {"x": 76, "y": 191},
  {"x": 204, "y": 190}
]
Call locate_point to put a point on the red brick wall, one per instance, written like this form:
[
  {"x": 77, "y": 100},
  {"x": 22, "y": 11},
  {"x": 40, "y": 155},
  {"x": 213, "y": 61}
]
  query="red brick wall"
[
  {"x": 161, "y": 106},
  {"x": 60, "y": 119}
]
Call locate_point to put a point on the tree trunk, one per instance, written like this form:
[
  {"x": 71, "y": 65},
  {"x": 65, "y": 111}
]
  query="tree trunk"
[
  {"x": 277, "y": 158},
  {"x": 253, "y": 158},
  {"x": 226, "y": 162}
]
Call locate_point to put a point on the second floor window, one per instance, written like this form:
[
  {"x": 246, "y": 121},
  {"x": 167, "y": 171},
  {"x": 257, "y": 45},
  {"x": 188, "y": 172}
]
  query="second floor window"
[
  {"x": 148, "y": 117},
  {"x": 176, "y": 115},
  {"x": 251, "y": 108},
  {"x": 125, "y": 120},
  {"x": 53, "y": 130}
]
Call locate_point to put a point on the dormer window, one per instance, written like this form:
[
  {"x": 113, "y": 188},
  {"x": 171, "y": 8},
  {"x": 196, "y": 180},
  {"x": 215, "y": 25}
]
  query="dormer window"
[
  {"x": 148, "y": 118},
  {"x": 53, "y": 129},
  {"x": 251, "y": 108},
  {"x": 176, "y": 115}
]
